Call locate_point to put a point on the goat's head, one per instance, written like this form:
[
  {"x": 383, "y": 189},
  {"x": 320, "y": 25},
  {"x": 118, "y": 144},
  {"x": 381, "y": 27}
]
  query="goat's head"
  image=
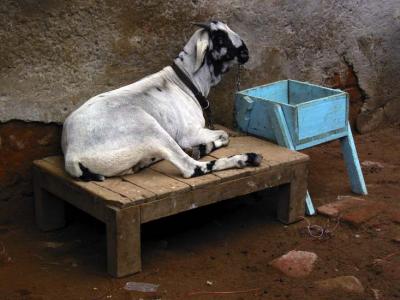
[{"x": 216, "y": 46}]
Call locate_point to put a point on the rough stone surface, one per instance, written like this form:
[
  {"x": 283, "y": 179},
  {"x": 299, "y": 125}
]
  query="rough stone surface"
[
  {"x": 349, "y": 284},
  {"x": 295, "y": 263},
  {"x": 56, "y": 54},
  {"x": 352, "y": 209}
]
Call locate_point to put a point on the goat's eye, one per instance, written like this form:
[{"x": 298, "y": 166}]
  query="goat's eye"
[{"x": 220, "y": 41}]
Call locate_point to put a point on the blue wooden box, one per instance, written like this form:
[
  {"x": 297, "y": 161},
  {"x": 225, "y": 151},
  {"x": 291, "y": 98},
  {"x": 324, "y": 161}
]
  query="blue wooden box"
[{"x": 313, "y": 114}]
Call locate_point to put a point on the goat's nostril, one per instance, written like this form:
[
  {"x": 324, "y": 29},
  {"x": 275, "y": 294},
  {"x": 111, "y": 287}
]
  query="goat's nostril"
[{"x": 243, "y": 56}]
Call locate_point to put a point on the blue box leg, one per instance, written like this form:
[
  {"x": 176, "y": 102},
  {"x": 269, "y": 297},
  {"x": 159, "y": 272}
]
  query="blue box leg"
[
  {"x": 284, "y": 139},
  {"x": 352, "y": 163}
]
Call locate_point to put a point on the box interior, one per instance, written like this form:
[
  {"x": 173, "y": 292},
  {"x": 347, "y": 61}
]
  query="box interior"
[{"x": 291, "y": 92}]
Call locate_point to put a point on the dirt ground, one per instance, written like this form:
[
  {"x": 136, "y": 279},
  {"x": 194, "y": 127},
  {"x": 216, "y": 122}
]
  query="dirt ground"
[{"x": 229, "y": 244}]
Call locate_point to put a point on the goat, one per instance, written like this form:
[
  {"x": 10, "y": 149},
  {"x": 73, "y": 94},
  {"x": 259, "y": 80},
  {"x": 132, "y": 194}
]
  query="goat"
[{"x": 158, "y": 117}]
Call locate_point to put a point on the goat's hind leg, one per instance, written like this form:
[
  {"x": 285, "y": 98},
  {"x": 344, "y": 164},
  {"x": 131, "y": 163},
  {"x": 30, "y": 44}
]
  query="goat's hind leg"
[
  {"x": 170, "y": 150},
  {"x": 206, "y": 141}
]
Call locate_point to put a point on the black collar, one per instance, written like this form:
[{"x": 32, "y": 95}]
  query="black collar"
[{"x": 186, "y": 80}]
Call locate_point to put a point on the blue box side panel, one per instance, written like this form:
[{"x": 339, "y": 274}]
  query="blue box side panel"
[
  {"x": 320, "y": 140},
  {"x": 243, "y": 107},
  {"x": 260, "y": 121},
  {"x": 277, "y": 92},
  {"x": 322, "y": 116},
  {"x": 300, "y": 92}
]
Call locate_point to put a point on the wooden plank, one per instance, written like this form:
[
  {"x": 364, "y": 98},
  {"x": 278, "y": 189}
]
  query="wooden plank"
[
  {"x": 285, "y": 139},
  {"x": 222, "y": 190},
  {"x": 260, "y": 123},
  {"x": 291, "y": 204},
  {"x": 277, "y": 91},
  {"x": 72, "y": 193},
  {"x": 167, "y": 168},
  {"x": 273, "y": 156},
  {"x": 280, "y": 127},
  {"x": 123, "y": 241},
  {"x": 127, "y": 189},
  {"x": 230, "y": 131},
  {"x": 243, "y": 108},
  {"x": 54, "y": 166},
  {"x": 157, "y": 183},
  {"x": 354, "y": 170},
  {"x": 321, "y": 116},
  {"x": 49, "y": 210},
  {"x": 301, "y": 92}
]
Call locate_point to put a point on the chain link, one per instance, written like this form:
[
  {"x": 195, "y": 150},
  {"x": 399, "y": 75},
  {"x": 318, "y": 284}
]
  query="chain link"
[{"x": 238, "y": 77}]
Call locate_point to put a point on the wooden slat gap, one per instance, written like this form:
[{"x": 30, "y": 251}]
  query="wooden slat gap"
[
  {"x": 142, "y": 187},
  {"x": 111, "y": 190}
]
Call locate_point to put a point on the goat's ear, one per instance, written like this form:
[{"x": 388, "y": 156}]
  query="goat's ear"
[{"x": 201, "y": 49}]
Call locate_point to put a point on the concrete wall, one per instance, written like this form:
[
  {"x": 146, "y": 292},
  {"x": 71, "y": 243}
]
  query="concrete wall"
[{"x": 55, "y": 54}]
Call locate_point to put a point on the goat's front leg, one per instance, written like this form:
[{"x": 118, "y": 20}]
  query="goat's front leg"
[{"x": 204, "y": 141}]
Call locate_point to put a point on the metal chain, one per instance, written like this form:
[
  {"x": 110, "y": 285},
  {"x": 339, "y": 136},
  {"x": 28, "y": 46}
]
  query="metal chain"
[{"x": 238, "y": 77}]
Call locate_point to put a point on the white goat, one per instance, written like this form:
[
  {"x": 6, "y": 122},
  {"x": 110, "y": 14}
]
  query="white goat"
[{"x": 124, "y": 130}]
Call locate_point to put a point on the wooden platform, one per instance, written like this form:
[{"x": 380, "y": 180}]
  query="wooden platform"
[{"x": 124, "y": 203}]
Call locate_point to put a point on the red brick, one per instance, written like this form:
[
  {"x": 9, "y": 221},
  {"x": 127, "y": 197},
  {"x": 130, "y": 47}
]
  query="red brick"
[
  {"x": 334, "y": 209},
  {"x": 362, "y": 214},
  {"x": 354, "y": 93},
  {"x": 351, "y": 79},
  {"x": 334, "y": 81}
]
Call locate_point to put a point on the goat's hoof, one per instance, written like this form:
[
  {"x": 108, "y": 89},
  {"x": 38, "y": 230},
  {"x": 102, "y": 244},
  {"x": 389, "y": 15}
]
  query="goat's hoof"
[
  {"x": 196, "y": 153},
  {"x": 253, "y": 159}
]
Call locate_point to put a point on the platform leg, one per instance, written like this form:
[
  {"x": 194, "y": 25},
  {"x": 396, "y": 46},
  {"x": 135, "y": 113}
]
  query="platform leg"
[
  {"x": 49, "y": 209},
  {"x": 123, "y": 241},
  {"x": 291, "y": 205},
  {"x": 284, "y": 139},
  {"x": 352, "y": 163}
]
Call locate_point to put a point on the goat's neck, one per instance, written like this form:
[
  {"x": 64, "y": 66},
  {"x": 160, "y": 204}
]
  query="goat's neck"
[{"x": 202, "y": 79}]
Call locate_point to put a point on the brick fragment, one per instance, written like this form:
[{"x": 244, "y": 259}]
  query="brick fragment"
[
  {"x": 336, "y": 208},
  {"x": 362, "y": 214}
]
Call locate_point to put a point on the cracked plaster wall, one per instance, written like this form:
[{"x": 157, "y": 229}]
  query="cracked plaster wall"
[{"x": 56, "y": 54}]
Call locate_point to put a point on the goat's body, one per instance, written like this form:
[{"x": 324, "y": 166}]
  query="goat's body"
[
  {"x": 124, "y": 130},
  {"x": 141, "y": 114}
]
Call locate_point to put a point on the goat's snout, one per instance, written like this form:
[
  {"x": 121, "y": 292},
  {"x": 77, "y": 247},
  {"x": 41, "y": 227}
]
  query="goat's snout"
[{"x": 243, "y": 55}]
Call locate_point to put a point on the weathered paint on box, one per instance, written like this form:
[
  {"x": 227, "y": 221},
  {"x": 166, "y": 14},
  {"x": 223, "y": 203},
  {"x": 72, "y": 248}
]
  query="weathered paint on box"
[
  {"x": 313, "y": 114},
  {"x": 299, "y": 115}
]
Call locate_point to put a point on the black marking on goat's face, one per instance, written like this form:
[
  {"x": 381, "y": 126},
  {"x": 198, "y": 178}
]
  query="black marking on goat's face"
[{"x": 223, "y": 51}]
